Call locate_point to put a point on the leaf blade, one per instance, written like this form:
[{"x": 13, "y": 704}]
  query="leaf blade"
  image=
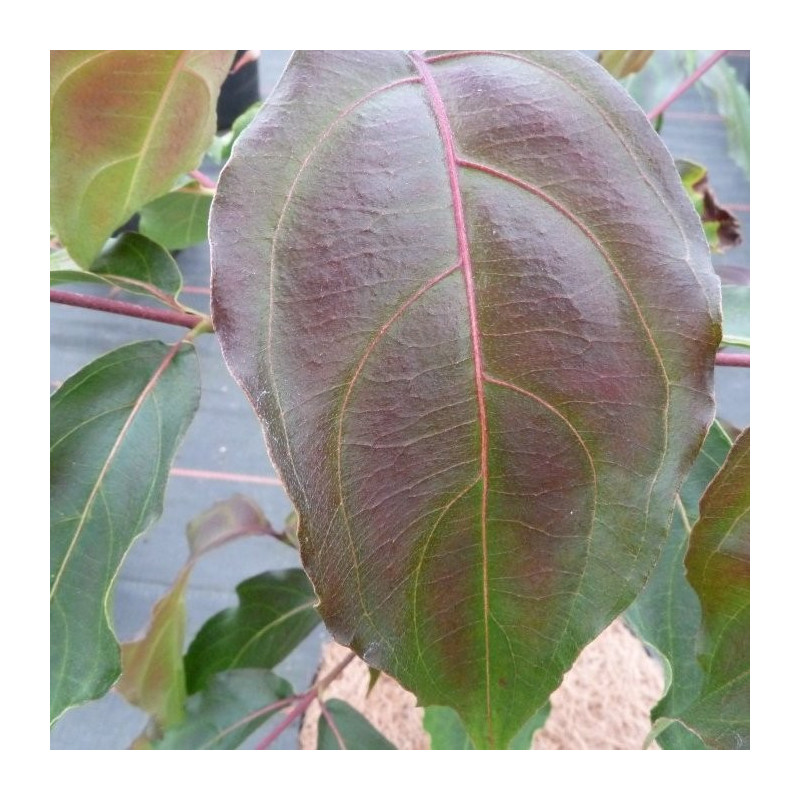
[
  {"x": 124, "y": 126},
  {"x": 348, "y": 730},
  {"x": 381, "y": 413},
  {"x": 130, "y": 409}
]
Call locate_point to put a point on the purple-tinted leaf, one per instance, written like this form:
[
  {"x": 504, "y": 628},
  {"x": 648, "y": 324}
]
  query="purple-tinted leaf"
[
  {"x": 124, "y": 124},
  {"x": 474, "y": 311}
]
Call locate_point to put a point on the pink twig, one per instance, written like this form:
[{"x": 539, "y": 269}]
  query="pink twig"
[
  {"x": 732, "y": 360},
  {"x": 203, "y": 179},
  {"x": 184, "y": 320},
  {"x": 688, "y": 83},
  {"x": 303, "y": 702}
]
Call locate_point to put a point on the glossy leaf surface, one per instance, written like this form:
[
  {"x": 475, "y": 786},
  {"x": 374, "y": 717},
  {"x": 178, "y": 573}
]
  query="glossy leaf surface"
[
  {"x": 153, "y": 674},
  {"x": 275, "y": 613},
  {"x": 223, "y": 715},
  {"x": 348, "y": 730},
  {"x": 667, "y": 613},
  {"x": 124, "y": 124},
  {"x": 114, "y": 428},
  {"x": 178, "y": 219},
  {"x": 474, "y": 311},
  {"x": 131, "y": 262},
  {"x": 718, "y": 568}
]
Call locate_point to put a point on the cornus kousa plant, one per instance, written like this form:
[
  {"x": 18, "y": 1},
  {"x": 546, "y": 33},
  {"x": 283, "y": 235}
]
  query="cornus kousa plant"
[{"x": 470, "y": 298}]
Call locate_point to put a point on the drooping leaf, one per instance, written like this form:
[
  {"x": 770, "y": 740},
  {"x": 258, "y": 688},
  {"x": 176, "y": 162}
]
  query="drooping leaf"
[
  {"x": 667, "y": 613},
  {"x": 153, "y": 676},
  {"x": 131, "y": 262},
  {"x": 275, "y": 613},
  {"x": 114, "y": 428},
  {"x": 720, "y": 225},
  {"x": 178, "y": 219},
  {"x": 621, "y": 63},
  {"x": 350, "y": 730},
  {"x": 227, "y": 711},
  {"x": 474, "y": 311},
  {"x": 718, "y": 568},
  {"x": 124, "y": 124},
  {"x": 736, "y": 315},
  {"x": 152, "y": 666},
  {"x": 447, "y": 731}
]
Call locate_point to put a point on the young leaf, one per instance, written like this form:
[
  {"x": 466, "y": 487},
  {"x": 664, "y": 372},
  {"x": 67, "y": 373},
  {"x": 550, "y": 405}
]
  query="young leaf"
[
  {"x": 447, "y": 731},
  {"x": 720, "y": 225},
  {"x": 153, "y": 676},
  {"x": 475, "y": 313},
  {"x": 667, "y": 613},
  {"x": 343, "y": 728},
  {"x": 275, "y": 613},
  {"x": 131, "y": 262},
  {"x": 178, "y": 219},
  {"x": 114, "y": 428},
  {"x": 718, "y": 568},
  {"x": 227, "y": 711},
  {"x": 621, "y": 63},
  {"x": 124, "y": 124},
  {"x": 736, "y": 315}
]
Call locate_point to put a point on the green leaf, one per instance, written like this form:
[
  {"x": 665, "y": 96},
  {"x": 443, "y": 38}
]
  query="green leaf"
[
  {"x": 153, "y": 676},
  {"x": 667, "y": 613},
  {"x": 447, "y": 731},
  {"x": 720, "y": 225},
  {"x": 222, "y": 147},
  {"x": 233, "y": 705},
  {"x": 736, "y": 315},
  {"x": 275, "y": 613},
  {"x": 131, "y": 262},
  {"x": 621, "y": 63},
  {"x": 733, "y": 103},
  {"x": 124, "y": 124},
  {"x": 178, "y": 219},
  {"x": 348, "y": 730},
  {"x": 718, "y": 568},
  {"x": 114, "y": 428},
  {"x": 475, "y": 312},
  {"x": 663, "y": 72}
]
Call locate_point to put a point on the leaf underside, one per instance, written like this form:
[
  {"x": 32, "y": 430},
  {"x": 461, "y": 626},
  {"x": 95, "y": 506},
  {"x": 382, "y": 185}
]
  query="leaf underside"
[
  {"x": 124, "y": 125},
  {"x": 114, "y": 428},
  {"x": 475, "y": 313}
]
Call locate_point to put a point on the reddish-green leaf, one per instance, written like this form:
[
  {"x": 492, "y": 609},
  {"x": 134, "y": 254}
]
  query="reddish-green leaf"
[
  {"x": 124, "y": 124},
  {"x": 718, "y": 568},
  {"x": 475, "y": 313},
  {"x": 153, "y": 676}
]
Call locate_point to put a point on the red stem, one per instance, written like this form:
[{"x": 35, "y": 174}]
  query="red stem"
[
  {"x": 303, "y": 702},
  {"x": 732, "y": 360},
  {"x": 688, "y": 83},
  {"x": 184, "y": 320},
  {"x": 202, "y": 179}
]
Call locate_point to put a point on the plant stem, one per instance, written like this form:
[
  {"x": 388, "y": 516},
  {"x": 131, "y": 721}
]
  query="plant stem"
[
  {"x": 185, "y": 320},
  {"x": 732, "y": 360},
  {"x": 303, "y": 702},
  {"x": 332, "y": 724},
  {"x": 203, "y": 179},
  {"x": 688, "y": 83}
]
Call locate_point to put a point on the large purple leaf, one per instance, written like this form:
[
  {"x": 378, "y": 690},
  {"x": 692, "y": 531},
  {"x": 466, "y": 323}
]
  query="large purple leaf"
[{"x": 474, "y": 311}]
